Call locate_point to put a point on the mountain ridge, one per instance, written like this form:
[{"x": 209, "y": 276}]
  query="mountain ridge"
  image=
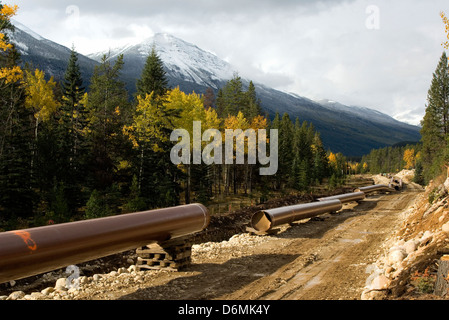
[{"x": 354, "y": 131}]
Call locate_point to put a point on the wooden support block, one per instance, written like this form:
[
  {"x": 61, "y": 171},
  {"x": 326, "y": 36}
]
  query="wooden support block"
[
  {"x": 169, "y": 255},
  {"x": 442, "y": 282}
]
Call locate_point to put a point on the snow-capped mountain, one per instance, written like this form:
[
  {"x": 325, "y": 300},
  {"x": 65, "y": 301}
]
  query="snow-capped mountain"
[
  {"x": 354, "y": 131},
  {"x": 362, "y": 112},
  {"x": 184, "y": 61},
  {"x": 46, "y": 55}
]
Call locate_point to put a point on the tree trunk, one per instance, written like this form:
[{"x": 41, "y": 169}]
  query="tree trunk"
[{"x": 187, "y": 192}]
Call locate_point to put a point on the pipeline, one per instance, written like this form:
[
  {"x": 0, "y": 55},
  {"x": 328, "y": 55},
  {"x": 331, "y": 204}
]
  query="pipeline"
[
  {"x": 346, "y": 198},
  {"x": 34, "y": 251},
  {"x": 266, "y": 220},
  {"x": 375, "y": 188}
]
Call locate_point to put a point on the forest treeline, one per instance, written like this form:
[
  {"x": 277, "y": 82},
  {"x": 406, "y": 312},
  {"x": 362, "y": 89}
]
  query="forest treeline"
[
  {"x": 392, "y": 159},
  {"x": 68, "y": 152}
]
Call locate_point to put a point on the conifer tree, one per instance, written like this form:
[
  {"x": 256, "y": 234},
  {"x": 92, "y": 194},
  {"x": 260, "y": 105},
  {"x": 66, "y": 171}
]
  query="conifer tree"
[
  {"x": 435, "y": 125},
  {"x": 109, "y": 110},
  {"x": 276, "y": 179},
  {"x": 74, "y": 114},
  {"x": 73, "y": 123},
  {"x": 16, "y": 130},
  {"x": 73, "y": 83},
  {"x": 252, "y": 107},
  {"x": 321, "y": 163},
  {"x": 231, "y": 99},
  {"x": 153, "y": 78},
  {"x": 286, "y": 131}
]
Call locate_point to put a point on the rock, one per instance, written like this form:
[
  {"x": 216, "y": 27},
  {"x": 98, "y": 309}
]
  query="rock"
[
  {"x": 446, "y": 184},
  {"x": 61, "y": 284},
  {"x": 373, "y": 295},
  {"x": 47, "y": 291},
  {"x": 131, "y": 268},
  {"x": 73, "y": 291},
  {"x": 16, "y": 295},
  {"x": 96, "y": 277},
  {"x": 396, "y": 256},
  {"x": 399, "y": 243},
  {"x": 37, "y": 296},
  {"x": 388, "y": 270},
  {"x": 410, "y": 246},
  {"x": 122, "y": 270},
  {"x": 380, "y": 282},
  {"x": 445, "y": 228},
  {"x": 426, "y": 237},
  {"x": 83, "y": 280}
]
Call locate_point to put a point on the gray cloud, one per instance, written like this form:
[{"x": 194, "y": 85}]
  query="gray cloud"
[{"x": 194, "y": 8}]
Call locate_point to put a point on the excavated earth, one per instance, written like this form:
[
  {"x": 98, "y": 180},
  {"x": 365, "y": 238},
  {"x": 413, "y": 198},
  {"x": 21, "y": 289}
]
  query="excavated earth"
[{"x": 324, "y": 258}]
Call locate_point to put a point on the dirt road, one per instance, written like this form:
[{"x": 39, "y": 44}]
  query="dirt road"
[{"x": 323, "y": 258}]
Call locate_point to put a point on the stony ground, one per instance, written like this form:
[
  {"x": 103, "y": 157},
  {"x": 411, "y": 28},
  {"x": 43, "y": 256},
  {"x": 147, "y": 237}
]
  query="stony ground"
[{"x": 367, "y": 251}]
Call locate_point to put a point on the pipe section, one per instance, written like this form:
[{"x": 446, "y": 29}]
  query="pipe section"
[
  {"x": 346, "y": 198},
  {"x": 375, "y": 188},
  {"x": 266, "y": 220},
  {"x": 30, "y": 252}
]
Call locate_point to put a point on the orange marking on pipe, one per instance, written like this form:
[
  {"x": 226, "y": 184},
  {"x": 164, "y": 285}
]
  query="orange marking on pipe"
[{"x": 26, "y": 237}]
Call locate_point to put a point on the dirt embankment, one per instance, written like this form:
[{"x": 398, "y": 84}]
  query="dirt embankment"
[{"x": 409, "y": 264}]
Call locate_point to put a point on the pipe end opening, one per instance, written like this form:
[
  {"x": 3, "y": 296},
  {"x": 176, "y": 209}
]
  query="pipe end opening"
[{"x": 261, "y": 221}]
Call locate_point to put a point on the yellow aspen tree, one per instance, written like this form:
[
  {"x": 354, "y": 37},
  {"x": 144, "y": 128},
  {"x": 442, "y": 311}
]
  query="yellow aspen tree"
[
  {"x": 147, "y": 124},
  {"x": 409, "y": 158},
  {"x": 365, "y": 167},
  {"x": 191, "y": 108},
  {"x": 258, "y": 123},
  {"x": 40, "y": 96},
  {"x": 332, "y": 160},
  {"x": 235, "y": 123},
  {"x": 212, "y": 119},
  {"x": 9, "y": 74},
  {"x": 238, "y": 122}
]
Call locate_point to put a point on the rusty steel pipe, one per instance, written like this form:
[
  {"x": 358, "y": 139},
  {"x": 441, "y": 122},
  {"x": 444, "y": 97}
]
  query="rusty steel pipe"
[
  {"x": 375, "y": 188},
  {"x": 266, "y": 220},
  {"x": 30, "y": 252},
  {"x": 346, "y": 198}
]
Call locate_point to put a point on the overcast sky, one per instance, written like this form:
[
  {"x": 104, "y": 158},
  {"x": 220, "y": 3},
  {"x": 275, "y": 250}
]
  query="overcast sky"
[{"x": 378, "y": 54}]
